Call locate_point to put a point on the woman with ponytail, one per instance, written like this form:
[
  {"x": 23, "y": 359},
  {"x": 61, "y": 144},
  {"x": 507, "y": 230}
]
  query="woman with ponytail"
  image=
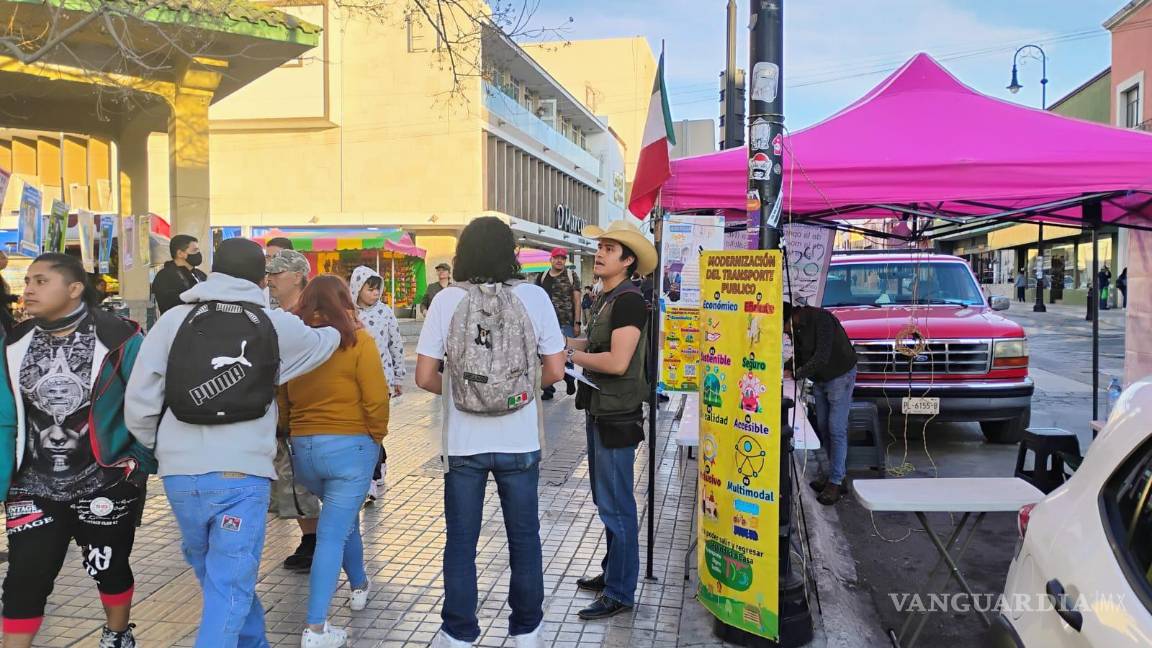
[{"x": 68, "y": 467}]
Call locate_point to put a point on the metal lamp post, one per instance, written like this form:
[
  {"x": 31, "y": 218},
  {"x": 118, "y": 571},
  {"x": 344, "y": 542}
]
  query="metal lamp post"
[{"x": 1014, "y": 87}]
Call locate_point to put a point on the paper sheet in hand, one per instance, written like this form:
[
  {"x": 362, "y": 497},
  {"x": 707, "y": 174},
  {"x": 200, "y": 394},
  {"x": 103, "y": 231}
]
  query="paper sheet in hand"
[{"x": 578, "y": 374}]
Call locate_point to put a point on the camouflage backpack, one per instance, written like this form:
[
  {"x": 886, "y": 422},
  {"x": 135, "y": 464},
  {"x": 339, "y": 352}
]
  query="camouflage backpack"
[{"x": 490, "y": 360}]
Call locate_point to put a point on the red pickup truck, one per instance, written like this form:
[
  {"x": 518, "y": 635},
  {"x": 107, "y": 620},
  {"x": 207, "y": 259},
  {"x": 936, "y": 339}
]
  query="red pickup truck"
[{"x": 929, "y": 344}]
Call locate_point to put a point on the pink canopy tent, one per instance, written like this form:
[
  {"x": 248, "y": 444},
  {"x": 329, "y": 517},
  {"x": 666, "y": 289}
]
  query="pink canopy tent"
[{"x": 923, "y": 143}]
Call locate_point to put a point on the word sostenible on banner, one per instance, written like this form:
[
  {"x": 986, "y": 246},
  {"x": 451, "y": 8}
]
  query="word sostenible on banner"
[{"x": 740, "y": 439}]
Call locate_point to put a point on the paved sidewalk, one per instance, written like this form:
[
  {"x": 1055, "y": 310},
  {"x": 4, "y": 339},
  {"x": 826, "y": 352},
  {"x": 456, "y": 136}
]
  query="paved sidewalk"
[{"x": 404, "y": 536}]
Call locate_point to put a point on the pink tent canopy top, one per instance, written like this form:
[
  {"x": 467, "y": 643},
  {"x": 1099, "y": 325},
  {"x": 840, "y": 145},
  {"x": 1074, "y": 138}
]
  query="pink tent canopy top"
[{"x": 923, "y": 138}]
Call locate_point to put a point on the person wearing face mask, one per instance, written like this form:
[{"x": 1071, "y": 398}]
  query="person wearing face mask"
[{"x": 179, "y": 274}]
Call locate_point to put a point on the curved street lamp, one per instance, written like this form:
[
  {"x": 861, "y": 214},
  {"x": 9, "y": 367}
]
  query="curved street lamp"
[{"x": 1014, "y": 87}]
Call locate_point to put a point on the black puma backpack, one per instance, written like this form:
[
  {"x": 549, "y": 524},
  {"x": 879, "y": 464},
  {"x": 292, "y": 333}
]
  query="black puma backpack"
[{"x": 224, "y": 365}]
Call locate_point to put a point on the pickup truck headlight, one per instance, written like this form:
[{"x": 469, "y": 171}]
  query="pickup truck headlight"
[{"x": 1010, "y": 354}]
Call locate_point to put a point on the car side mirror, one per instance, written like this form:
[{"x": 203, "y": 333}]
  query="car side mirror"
[{"x": 999, "y": 303}]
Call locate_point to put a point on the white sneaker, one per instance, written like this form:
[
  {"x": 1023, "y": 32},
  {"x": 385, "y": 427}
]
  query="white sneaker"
[
  {"x": 533, "y": 639},
  {"x": 330, "y": 638},
  {"x": 444, "y": 640},
  {"x": 359, "y": 599},
  {"x": 382, "y": 483},
  {"x": 373, "y": 494}
]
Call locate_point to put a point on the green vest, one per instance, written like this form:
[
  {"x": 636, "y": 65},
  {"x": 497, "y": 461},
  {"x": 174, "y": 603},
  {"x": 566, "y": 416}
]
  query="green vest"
[{"x": 617, "y": 394}]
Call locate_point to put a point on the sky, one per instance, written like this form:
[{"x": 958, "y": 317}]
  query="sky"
[{"x": 836, "y": 50}]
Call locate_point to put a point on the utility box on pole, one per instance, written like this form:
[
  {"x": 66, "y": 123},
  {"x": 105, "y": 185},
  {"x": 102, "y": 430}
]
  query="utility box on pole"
[{"x": 732, "y": 123}]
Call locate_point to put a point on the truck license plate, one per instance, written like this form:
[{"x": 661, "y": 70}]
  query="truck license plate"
[{"x": 921, "y": 406}]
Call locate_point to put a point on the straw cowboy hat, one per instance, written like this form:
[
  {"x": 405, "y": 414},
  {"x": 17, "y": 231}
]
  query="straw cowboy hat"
[{"x": 626, "y": 233}]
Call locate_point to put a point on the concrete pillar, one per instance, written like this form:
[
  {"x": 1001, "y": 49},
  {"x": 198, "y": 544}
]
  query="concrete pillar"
[
  {"x": 188, "y": 151},
  {"x": 132, "y": 163},
  {"x": 1137, "y": 342}
]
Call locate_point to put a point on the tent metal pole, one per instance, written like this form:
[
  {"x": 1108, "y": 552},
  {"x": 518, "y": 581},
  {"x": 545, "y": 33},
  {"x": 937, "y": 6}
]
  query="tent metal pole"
[{"x": 1095, "y": 324}]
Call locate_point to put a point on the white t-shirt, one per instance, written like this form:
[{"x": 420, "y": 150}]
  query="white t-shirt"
[{"x": 470, "y": 434}]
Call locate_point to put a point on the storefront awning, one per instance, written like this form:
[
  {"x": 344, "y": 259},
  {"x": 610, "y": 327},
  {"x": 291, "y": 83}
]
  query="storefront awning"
[{"x": 332, "y": 240}]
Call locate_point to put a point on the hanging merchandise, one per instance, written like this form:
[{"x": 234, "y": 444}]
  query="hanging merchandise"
[
  {"x": 30, "y": 226},
  {"x": 107, "y": 233},
  {"x": 57, "y": 226},
  {"x": 86, "y": 228}
]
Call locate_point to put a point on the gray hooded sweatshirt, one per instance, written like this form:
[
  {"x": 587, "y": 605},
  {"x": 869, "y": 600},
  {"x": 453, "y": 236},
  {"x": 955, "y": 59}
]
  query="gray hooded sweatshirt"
[{"x": 247, "y": 447}]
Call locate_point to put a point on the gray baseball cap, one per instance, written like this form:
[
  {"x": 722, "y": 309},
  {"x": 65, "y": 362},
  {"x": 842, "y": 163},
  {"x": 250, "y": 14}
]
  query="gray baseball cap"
[{"x": 288, "y": 261}]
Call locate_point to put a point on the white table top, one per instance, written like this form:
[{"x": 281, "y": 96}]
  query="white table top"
[{"x": 950, "y": 494}]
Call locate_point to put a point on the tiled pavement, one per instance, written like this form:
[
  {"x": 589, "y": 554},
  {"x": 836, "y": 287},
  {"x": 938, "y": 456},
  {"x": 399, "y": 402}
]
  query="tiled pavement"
[{"x": 404, "y": 536}]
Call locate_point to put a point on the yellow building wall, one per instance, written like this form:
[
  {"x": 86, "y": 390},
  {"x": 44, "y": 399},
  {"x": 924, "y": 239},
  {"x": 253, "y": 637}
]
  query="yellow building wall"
[
  {"x": 1025, "y": 234},
  {"x": 612, "y": 77},
  {"x": 376, "y": 138}
]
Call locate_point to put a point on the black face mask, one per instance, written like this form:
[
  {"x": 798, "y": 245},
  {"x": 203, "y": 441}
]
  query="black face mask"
[{"x": 195, "y": 260}]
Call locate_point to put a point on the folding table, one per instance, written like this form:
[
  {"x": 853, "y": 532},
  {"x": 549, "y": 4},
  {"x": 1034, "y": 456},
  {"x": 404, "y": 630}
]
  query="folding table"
[{"x": 966, "y": 495}]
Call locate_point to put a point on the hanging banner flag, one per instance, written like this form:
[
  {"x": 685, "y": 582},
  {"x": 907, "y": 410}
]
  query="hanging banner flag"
[
  {"x": 144, "y": 246},
  {"x": 739, "y": 465},
  {"x": 107, "y": 233},
  {"x": 86, "y": 230},
  {"x": 127, "y": 242},
  {"x": 5, "y": 177},
  {"x": 809, "y": 250},
  {"x": 57, "y": 227},
  {"x": 30, "y": 221},
  {"x": 680, "y": 359}
]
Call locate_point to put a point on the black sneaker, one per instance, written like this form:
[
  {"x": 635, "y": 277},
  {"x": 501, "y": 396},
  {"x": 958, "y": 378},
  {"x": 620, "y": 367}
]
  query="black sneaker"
[
  {"x": 571, "y": 382},
  {"x": 110, "y": 639},
  {"x": 594, "y": 584},
  {"x": 603, "y": 608},
  {"x": 547, "y": 395},
  {"x": 831, "y": 494},
  {"x": 819, "y": 485},
  {"x": 301, "y": 559}
]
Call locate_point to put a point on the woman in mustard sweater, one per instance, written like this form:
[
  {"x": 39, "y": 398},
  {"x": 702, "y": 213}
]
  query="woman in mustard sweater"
[{"x": 337, "y": 416}]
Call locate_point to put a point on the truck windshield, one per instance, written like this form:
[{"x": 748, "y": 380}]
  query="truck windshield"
[{"x": 897, "y": 283}]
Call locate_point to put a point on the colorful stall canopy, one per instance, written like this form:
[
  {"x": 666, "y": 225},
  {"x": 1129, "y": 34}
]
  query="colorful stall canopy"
[
  {"x": 390, "y": 240},
  {"x": 534, "y": 261},
  {"x": 923, "y": 143}
]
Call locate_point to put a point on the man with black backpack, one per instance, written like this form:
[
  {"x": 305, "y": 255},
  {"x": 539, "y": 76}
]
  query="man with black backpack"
[
  {"x": 202, "y": 395},
  {"x": 614, "y": 359}
]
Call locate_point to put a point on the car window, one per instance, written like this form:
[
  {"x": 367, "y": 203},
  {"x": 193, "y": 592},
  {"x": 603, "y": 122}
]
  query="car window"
[
  {"x": 1127, "y": 499},
  {"x": 900, "y": 283}
]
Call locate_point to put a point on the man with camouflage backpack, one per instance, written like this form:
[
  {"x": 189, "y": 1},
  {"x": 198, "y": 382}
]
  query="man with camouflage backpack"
[{"x": 499, "y": 340}]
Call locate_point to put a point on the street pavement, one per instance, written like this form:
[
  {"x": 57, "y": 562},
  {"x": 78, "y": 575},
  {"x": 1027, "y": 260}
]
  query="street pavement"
[
  {"x": 404, "y": 541},
  {"x": 893, "y": 555}
]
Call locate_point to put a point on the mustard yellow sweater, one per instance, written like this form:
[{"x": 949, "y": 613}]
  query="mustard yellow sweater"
[{"x": 348, "y": 394}]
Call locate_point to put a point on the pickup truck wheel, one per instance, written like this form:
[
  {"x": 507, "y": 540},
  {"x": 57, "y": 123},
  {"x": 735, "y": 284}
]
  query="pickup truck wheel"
[{"x": 1010, "y": 431}]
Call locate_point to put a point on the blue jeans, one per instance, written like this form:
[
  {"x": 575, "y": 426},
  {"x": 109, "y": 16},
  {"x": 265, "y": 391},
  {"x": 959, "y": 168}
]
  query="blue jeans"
[
  {"x": 517, "y": 478},
  {"x": 337, "y": 468},
  {"x": 221, "y": 518},
  {"x": 833, "y": 402},
  {"x": 611, "y": 472}
]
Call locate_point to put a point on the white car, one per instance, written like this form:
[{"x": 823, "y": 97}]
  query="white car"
[{"x": 1082, "y": 575}]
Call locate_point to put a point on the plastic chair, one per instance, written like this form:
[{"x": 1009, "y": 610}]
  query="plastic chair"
[{"x": 1049, "y": 447}]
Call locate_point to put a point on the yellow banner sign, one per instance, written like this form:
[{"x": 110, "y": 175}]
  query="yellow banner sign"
[
  {"x": 741, "y": 370},
  {"x": 680, "y": 361}
]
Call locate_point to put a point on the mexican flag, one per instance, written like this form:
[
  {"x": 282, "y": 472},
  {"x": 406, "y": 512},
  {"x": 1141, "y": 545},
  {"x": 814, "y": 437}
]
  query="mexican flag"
[{"x": 652, "y": 169}]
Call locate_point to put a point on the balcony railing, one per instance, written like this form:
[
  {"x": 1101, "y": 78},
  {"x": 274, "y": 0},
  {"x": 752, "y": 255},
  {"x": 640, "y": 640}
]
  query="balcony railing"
[{"x": 509, "y": 110}]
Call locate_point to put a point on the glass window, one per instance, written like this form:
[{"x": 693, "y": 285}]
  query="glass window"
[
  {"x": 1132, "y": 107},
  {"x": 1127, "y": 500},
  {"x": 901, "y": 283}
]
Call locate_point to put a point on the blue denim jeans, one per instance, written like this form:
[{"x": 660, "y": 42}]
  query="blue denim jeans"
[
  {"x": 517, "y": 478},
  {"x": 611, "y": 472},
  {"x": 221, "y": 518},
  {"x": 833, "y": 402},
  {"x": 337, "y": 468}
]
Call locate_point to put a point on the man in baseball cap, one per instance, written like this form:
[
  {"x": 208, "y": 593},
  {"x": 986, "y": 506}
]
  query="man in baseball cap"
[
  {"x": 288, "y": 272},
  {"x": 563, "y": 288}
]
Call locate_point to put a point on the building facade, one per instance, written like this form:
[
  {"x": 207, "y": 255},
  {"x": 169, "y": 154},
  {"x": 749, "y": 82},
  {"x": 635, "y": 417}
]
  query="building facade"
[{"x": 387, "y": 126}]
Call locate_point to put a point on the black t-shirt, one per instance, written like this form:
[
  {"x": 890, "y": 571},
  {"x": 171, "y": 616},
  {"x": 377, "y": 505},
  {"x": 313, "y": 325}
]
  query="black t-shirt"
[{"x": 629, "y": 309}]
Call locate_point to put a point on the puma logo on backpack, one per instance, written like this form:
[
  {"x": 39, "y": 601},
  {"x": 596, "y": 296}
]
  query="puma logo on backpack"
[{"x": 491, "y": 360}]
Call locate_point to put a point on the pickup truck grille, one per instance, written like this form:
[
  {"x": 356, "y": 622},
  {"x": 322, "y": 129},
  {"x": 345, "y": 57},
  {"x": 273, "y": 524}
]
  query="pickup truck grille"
[{"x": 940, "y": 357}]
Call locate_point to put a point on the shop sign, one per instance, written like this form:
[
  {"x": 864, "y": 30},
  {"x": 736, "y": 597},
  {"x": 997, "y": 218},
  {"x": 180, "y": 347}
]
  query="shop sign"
[
  {"x": 741, "y": 367},
  {"x": 567, "y": 221}
]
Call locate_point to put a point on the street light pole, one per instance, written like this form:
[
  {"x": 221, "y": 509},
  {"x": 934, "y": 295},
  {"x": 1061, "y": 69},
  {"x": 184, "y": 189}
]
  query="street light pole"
[{"x": 1014, "y": 87}]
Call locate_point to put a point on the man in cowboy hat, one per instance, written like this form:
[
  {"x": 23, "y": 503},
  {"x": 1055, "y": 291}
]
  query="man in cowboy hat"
[{"x": 613, "y": 356}]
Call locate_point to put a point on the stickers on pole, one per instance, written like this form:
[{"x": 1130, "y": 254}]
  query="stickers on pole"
[
  {"x": 761, "y": 134},
  {"x": 760, "y": 166},
  {"x": 765, "y": 81},
  {"x": 741, "y": 368}
]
